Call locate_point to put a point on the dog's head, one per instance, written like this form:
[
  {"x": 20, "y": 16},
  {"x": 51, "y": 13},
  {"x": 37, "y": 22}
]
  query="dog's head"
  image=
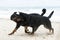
[
  {"x": 23, "y": 15},
  {"x": 16, "y": 17}
]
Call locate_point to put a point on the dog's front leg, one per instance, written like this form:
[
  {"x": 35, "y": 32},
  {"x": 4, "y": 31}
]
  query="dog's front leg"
[
  {"x": 33, "y": 30},
  {"x": 26, "y": 29},
  {"x": 17, "y": 26}
]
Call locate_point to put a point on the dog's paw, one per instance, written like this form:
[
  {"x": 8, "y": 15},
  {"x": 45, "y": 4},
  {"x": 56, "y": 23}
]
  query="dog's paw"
[
  {"x": 10, "y": 34},
  {"x": 31, "y": 33},
  {"x": 49, "y": 33}
]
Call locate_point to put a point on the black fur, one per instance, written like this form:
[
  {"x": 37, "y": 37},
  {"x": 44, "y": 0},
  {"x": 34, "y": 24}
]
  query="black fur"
[{"x": 32, "y": 20}]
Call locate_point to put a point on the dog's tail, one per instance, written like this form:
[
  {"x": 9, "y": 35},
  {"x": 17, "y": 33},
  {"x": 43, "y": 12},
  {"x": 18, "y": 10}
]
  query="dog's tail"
[
  {"x": 42, "y": 14},
  {"x": 43, "y": 11},
  {"x": 51, "y": 14}
]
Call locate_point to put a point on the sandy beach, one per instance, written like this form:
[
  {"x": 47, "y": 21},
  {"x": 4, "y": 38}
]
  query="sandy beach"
[
  {"x": 6, "y": 27},
  {"x": 8, "y": 7}
]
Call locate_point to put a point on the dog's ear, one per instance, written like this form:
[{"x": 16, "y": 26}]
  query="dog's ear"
[
  {"x": 21, "y": 13},
  {"x": 15, "y": 12}
]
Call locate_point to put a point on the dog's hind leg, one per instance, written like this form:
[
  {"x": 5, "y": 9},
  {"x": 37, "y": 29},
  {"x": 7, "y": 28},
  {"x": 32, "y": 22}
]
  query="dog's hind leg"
[
  {"x": 51, "y": 30},
  {"x": 17, "y": 26},
  {"x": 48, "y": 26}
]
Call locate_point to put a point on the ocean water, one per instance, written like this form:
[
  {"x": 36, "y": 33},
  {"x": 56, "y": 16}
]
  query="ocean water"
[{"x": 7, "y": 12}]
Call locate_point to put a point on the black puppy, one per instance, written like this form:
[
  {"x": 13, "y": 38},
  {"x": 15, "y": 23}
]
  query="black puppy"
[{"x": 33, "y": 21}]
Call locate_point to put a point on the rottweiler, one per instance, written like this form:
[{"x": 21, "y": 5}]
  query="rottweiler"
[{"x": 32, "y": 20}]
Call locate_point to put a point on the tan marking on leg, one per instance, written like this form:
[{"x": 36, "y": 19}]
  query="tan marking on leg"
[
  {"x": 52, "y": 31},
  {"x": 49, "y": 31},
  {"x": 26, "y": 28},
  {"x": 13, "y": 32}
]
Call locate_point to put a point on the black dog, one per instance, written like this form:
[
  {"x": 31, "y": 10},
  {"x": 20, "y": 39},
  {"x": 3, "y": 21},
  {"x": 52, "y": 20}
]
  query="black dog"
[{"x": 33, "y": 21}]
